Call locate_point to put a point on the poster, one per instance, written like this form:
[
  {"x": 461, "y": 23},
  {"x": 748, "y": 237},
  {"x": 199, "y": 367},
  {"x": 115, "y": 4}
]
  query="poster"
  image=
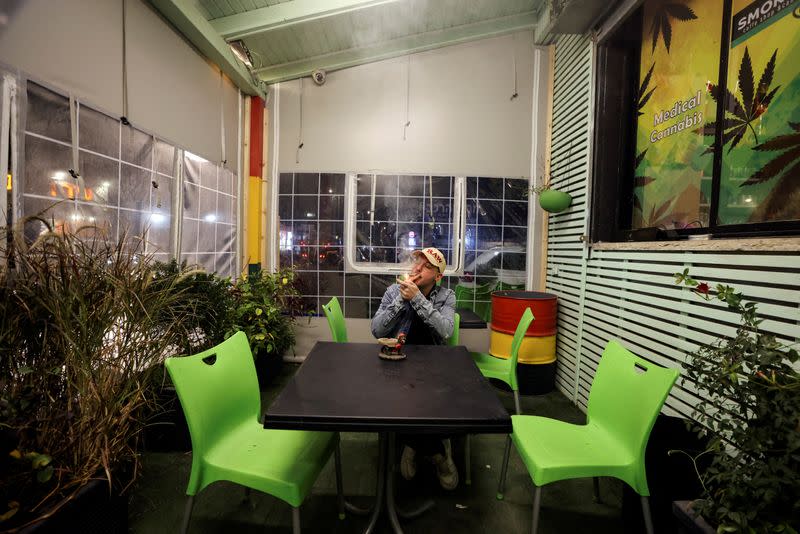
[
  {"x": 679, "y": 64},
  {"x": 760, "y": 177}
]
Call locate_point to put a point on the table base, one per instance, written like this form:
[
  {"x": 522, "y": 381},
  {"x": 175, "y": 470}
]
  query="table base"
[{"x": 384, "y": 490}]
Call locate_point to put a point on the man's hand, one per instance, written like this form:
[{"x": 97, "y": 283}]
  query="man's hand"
[{"x": 408, "y": 287}]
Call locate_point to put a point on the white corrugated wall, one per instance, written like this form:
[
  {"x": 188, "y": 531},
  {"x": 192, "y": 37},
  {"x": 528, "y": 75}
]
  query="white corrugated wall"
[{"x": 629, "y": 294}]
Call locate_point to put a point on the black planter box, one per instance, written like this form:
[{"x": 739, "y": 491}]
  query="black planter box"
[
  {"x": 166, "y": 429},
  {"x": 670, "y": 477},
  {"x": 93, "y": 510},
  {"x": 688, "y": 521}
]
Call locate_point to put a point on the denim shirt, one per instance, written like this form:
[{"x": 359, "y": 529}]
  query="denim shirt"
[{"x": 437, "y": 311}]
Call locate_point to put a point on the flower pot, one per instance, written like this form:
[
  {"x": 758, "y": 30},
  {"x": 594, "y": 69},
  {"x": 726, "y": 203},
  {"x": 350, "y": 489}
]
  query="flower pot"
[
  {"x": 92, "y": 509},
  {"x": 554, "y": 201},
  {"x": 689, "y": 521}
]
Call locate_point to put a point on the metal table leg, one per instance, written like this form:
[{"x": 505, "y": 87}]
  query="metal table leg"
[{"x": 381, "y": 483}]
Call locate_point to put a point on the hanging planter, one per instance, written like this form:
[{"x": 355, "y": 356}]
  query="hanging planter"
[{"x": 554, "y": 201}]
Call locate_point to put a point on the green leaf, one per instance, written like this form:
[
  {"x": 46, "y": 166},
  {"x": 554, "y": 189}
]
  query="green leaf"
[
  {"x": 45, "y": 474},
  {"x": 40, "y": 460}
]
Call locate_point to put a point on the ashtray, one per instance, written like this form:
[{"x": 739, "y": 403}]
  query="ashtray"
[{"x": 391, "y": 349}]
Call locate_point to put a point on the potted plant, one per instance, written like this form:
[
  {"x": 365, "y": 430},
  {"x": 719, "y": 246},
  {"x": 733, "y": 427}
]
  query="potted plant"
[
  {"x": 264, "y": 307},
  {"x": 205, "y": 300},
  {"x": 552, "y": 200},
  {"x": 750, "y": 409},
  {"x": 81, "y": 328}
]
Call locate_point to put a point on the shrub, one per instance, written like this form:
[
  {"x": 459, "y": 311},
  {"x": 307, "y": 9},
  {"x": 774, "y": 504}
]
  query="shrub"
[
  {"x": 82, "y": 327},
  {"x": 750, "y": 408}
]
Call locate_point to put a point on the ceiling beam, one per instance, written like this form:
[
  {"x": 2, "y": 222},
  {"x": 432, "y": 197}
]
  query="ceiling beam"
[
  {"x": 402, "y": 46},
  {"x": 187, "y": 19},
  {"x": 286, "y": 14}
]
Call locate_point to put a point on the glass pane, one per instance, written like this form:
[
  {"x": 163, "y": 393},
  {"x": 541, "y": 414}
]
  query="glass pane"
[
  {"x": 332, "y": 184},
  {"x": 410, "y": 209},
  {"x": 306, "y": 183},
  {"x": 331, "y": 284},
  {"x": 98, "y": 132},
  {"x": 285, "y": 207},
  {"x": 46, "y": 165},
  {"x": 331, "y": 259},
  {"x": 207, "y": 239},
  {"x": 331, "y": 233},
  {"x": 135, "y": 186},
  {"x": 441, "y": 186},
  {"x": 516, "y": 189},
  {"x": 412, "y": 186},
  {"x": 285, "y": 183},
  {"x": 386, "y": 185},
  {"x": 677, "y": 68},
  {"x": 331, "y": 207},
  {"x": 305, "y": 207},
  {"x": 490, "y": 188},
  {"x": 490, "y": 212},
  {"x": 137, "y": 148},
  {"x": 165, "y": 155},
  {"x": 357, "y": 285},
  {"x": 515, "y": 213},
  {"x": 189, "y": 236},
  {"x": 760, "y": 178},
  {"x": 305, "y": 258},
  {"x": 101, "y": 179},
  {"x": 48, "y": 113}
]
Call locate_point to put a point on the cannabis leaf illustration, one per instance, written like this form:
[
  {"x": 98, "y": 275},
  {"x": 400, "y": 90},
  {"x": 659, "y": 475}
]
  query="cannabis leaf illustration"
[
  {"x": 790, "y": 159},
  {"x": 661, "y": 24},
  {"x": 641, "y": 181},
  {"x": 642, "y": 97},
  {"x": 740, "y": 115}
]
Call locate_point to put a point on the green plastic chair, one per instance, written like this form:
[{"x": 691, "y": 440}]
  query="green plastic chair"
[
  {"x": 452, "y": 341},
  {"x": 218, "y": 390},
  {"x": 505, "y": 370},
  {"x": 333, "y": 312},
  {"x": 626, "y": 397}
]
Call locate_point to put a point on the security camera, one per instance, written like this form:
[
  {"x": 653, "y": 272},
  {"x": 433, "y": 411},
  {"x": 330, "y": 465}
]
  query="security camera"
[{"x": 318, "y": 76}]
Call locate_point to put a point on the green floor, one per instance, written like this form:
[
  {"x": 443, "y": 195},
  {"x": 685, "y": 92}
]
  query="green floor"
[{"x": 157, "y": 502}]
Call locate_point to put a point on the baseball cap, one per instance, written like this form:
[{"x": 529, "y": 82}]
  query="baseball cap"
[{"x": 433, "y": 255}]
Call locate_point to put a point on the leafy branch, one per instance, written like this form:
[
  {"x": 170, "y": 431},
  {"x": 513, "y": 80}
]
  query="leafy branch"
[
  {"x": 790, "y": 144},
  {"x": 741, "y": 114},
  {"x": 661, "y": 23}
]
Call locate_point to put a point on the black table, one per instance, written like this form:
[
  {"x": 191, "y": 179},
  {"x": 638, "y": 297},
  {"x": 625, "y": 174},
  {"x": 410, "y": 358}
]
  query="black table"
[
  {"x": 470, "y": 319},
  {"x": 346, "y": 387}
]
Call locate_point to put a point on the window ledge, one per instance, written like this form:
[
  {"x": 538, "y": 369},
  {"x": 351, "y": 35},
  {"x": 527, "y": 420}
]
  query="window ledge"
[{"x": 765, "y": 244}]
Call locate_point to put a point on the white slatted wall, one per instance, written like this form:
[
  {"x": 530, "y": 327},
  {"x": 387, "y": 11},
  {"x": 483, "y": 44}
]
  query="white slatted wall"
[{"x": 631, "y": 295}]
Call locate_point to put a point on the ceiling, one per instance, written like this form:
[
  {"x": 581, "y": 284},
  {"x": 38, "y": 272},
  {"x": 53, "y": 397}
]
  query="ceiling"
[{"x": 288, "y": 39}]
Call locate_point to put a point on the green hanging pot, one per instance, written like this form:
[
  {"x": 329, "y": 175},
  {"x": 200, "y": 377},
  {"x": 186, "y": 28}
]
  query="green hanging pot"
[{"x": 554, "y": 201}]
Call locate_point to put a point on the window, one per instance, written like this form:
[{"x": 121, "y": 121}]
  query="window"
[
  {"x": 406, "y": 212},
  {"x": 208, "y": 233},
  {"x": 390, "y": 216},
  {"x": 83, "y": 168},
  {"x": 701, "y": 136}
]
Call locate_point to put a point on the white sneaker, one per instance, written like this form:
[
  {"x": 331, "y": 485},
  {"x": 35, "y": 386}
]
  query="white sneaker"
[
  {"x": 408, "y": 463},
  {"x": 445, "y": 467}
]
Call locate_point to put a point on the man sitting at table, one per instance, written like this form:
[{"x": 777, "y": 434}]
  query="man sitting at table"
[{"x": 424, "y": 312}]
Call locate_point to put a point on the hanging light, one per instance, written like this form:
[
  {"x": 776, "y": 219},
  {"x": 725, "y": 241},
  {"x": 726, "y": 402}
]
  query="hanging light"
[{"x": 241, "y": 52}]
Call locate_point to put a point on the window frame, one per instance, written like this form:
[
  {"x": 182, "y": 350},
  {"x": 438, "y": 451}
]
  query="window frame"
[
  {"x": 617, "y": 57},
  {"x": 458, "y": 221}
]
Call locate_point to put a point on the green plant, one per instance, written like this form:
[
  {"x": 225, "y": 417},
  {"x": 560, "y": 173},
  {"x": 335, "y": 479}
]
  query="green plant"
[
  {"x": 83, "y": 328},
  {"x": 206, "y": 300},
  {"x": 265, "y": 305},
  {"x": 750, "y": 408}
]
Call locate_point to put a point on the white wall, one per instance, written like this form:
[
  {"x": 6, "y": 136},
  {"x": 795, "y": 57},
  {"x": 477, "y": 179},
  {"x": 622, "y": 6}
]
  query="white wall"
[
  {"x": 76, "y": 45},
  {"x": 462, "y": 118}
]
